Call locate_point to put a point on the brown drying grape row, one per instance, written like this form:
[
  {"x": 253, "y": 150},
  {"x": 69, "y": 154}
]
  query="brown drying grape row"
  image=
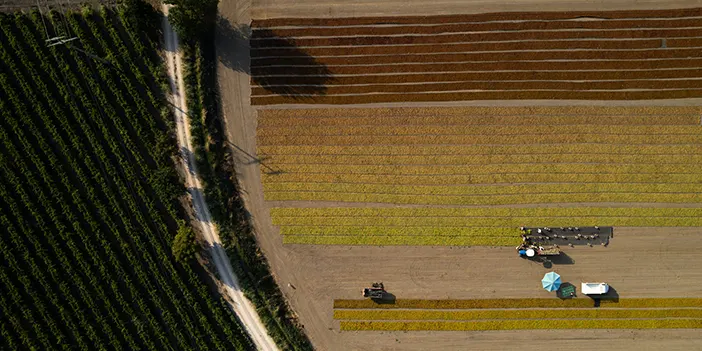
[
  {"x": 476, "y": 27},
  {"x": 488, "y": 56},
  {"x": 653, "y": 112},
  {"x": 495, "y": 76},
  {"x": 496, "y": 16},
  {"x": 477, "y": 37},
  {"x": 462, "y": 96},
  {"x": 330, "y": 71},
  {"x": 504, "y": 86},
  {"x": 257, "y": 53},
  {"x": 265, "y": 121}
]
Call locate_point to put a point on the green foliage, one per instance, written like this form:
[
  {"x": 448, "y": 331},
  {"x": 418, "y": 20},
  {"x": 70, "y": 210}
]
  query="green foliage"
[
  {"x": 184, "y": 246},
  {"x": 193, "y": 18}
]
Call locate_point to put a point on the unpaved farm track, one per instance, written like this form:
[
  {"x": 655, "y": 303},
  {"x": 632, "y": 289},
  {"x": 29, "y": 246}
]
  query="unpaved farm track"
[{"x": 243, "y": 308}]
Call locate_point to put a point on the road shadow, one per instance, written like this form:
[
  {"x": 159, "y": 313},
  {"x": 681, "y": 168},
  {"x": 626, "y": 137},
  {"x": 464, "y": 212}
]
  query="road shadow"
[
  {"x": 233, "y": 45},
  {"x": 295, "y": 74}
]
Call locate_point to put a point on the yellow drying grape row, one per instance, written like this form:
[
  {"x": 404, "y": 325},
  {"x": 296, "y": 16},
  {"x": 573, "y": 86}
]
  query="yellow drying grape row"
[
  {"x": 454, "y": 150},
  {"x": 657, "y": 111},
  {"x": 515, "y": 314},
  {"x": 670, "y": 178},
  {"x": 505, "y": 222},
  {"x": 383, "y": 213},
  {"x": 525, "y": 189},
  {"x": 483, "y": 200},
  {"x": 534, "y": 160},
  {"x": 557, "y": 131},
  {"x": 399, "y": 231},
  {"x": 401, "y": 240},
  {"x": 293, "y": 139},
  {"x": 521, "y": 324},
  {"x": 514, "y": 120},
  {"x": 562, "y": 168},
  {"x": 673, "y": 302}
]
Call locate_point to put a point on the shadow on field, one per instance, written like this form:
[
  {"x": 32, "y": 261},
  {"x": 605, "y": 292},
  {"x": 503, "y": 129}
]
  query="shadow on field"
[
  {"x": 388, "y": 299},
  {"x": 281, "y": 69}
]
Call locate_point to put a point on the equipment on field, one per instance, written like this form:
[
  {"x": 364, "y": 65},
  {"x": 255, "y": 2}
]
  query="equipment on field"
[
  {"x": 594, "y": 288},
  {"x": 376, "y": 291}
]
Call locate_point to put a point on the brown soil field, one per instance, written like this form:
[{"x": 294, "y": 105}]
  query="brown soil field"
[
  {"x": 501, "y": 95},
  {"x": 487, "y": 36},
  {"x": 476, "y": 27},
  {"x": 489, "y": 56},
  {"x": 511, "y": 16}
]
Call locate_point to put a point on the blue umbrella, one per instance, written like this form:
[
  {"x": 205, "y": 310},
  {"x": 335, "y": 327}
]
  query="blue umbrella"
[{"x": 551, "y": 281}]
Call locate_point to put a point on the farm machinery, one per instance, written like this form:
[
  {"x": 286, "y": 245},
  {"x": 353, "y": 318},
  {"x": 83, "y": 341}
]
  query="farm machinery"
[{"x": 376, "y": 291}]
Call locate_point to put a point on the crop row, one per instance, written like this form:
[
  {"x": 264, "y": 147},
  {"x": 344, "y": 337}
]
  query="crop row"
[
  {"x": 461, "y": 96},
  {"x": 265, "y": 121},
  {"x": 476, "y": 27},
  {"x": 520, "y": 324},
  {"x": 481, "y": 36},
  {"x": 560, "y": 168},
  {"x": 644, "y": 189},
  {"x": 494, "y": 221},
  {"x": 484, "y": 200},
  {"x": 602, "y": 44},
  {"x": 485, "y": 56},
  {"x": 380, "y": 214},
  {"x": 489, "y": 111},
  {"x": 401, "y": 240},
  {"x": 495, "y": 16},
  {"x": 599, "y": 65},
  {"x": 673, "y": 302},
  {"x": 468, "y": 150},
  {"x": 535, "y": 160},
  {"x": 499, "y": 86},
  {"x": 478, "y": 139},
  {"x": 462, "y": 76},
  {"x": 357, "y": 231},
  {"x": 598, "y": 313},
  {"x": 477, "y": 130},
  {"x": 480, "y": 178}
]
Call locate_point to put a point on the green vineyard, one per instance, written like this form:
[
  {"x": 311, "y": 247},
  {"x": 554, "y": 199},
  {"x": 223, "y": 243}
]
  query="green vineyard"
[{"x": 89, "y": 195}]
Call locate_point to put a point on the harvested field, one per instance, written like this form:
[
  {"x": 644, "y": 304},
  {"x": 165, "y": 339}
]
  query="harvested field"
[
  {"x": 543, "y": 56},
  {"x": 468, "y": 157},
  {"x": 551, "y": 324}
]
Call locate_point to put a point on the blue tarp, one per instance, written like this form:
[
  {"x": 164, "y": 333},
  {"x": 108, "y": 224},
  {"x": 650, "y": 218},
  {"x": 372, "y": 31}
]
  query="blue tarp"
[{"x": 551, "y": 281}]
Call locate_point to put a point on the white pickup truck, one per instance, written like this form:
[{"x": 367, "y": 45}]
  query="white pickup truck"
[{"x": 594, "y": 288}]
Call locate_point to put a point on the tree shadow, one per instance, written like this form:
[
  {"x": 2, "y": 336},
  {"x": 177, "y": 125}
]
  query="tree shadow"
[
  {"x": 233, "y": 45},
  {"x": 296, "y": 74}
]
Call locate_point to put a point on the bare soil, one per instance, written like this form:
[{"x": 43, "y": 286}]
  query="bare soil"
[{"x": 640, "y": 262}]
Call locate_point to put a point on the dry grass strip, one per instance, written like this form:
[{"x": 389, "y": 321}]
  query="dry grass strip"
[
  {"x": 520, "y": 324},
  {"x": 483, "y": 178},
  {"x": 399, "y": 231},
  {"x": 515, "y": 314},
  {"x": 673, "y": 302},
  {"x": 494, "y": 129},
  {"x": 401, "y": 240}
]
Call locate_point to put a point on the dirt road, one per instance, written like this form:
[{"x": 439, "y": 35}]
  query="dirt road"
[{"x": 241, "y": 306}]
